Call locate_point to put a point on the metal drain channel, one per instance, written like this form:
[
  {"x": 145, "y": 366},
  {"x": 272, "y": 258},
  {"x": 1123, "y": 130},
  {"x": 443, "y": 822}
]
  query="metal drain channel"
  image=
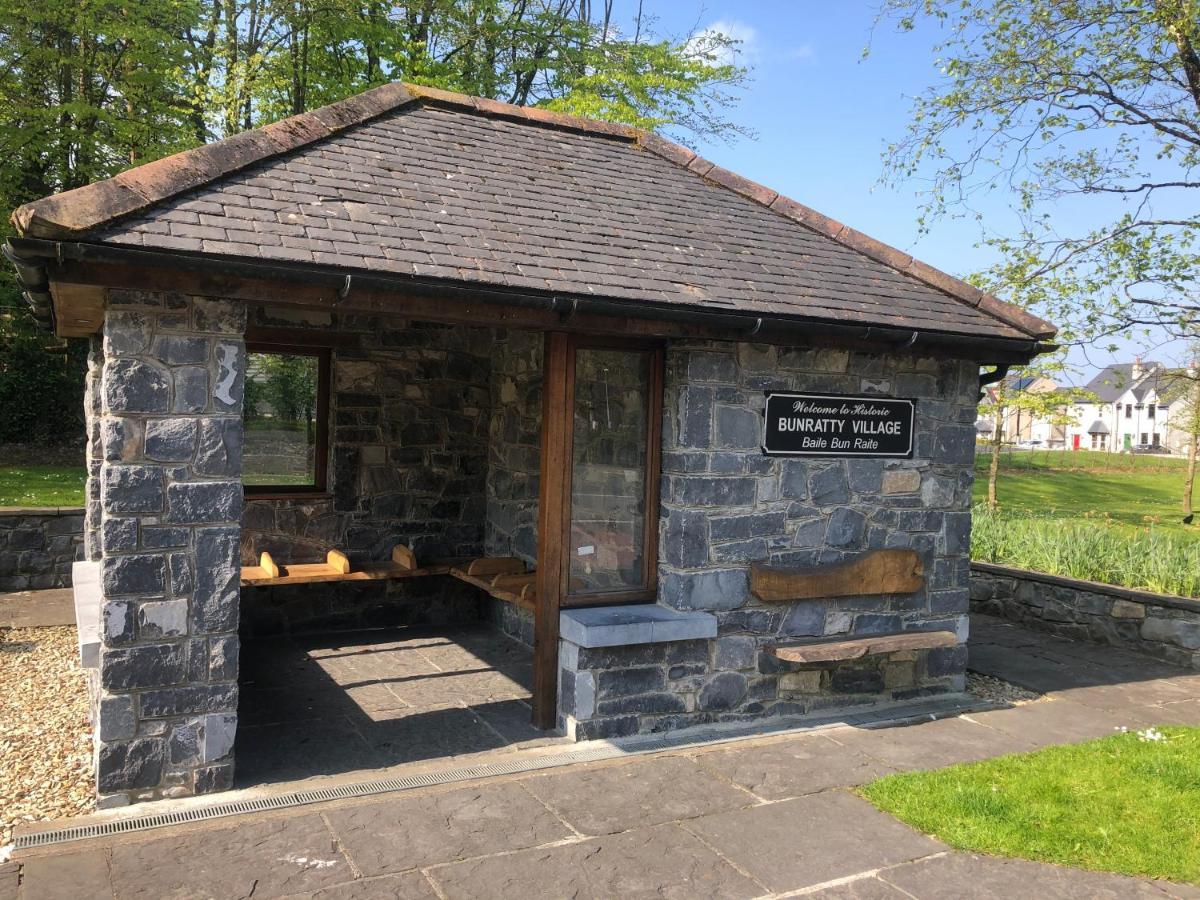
[{"x": 633, "y": 746}]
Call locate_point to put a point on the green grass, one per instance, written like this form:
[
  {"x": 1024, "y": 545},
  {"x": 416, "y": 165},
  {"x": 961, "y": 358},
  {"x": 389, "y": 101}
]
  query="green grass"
[
  {"x": 42, "y": 485},
  {"x": 1092, "y": 548},
  {"x": 1118, "y": 804},
  {"x": 1081, "y": 460}
]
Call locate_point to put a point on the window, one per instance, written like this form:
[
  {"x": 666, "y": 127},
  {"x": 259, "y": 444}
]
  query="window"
[
  {"x": 614, "y": 490},
  {"x": 1129, "y": 410},
  {"x": 1155, "y": 439},
  {"x": 1150, "y": 411},
  {"x": 1145, "y": 438},
  {"x": 286, "y": 420},
  {"x": 1095, "y": 441}
]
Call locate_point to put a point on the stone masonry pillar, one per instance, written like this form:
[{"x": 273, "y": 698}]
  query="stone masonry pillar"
[{"x": 168, "y": 463}]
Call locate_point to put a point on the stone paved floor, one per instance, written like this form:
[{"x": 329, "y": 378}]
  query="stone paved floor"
[
  {"x": 765, "y": 817},
  {"x": 320, "y": 706}
]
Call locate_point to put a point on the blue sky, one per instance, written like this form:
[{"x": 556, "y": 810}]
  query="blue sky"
[{"x": 824, "y": 115}]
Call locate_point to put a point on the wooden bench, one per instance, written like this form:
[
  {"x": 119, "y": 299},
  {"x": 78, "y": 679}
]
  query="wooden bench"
[
  {"x": 502, "y": 577},
  {"x": 337, "y": 568},
  {"x": 843, "y": 649}
]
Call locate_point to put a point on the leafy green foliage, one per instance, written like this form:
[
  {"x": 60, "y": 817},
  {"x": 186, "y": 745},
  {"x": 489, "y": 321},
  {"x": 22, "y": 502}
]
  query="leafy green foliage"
[
  {"x": 41, "y": 382},
  {"x": 1126, "y": 803},
  {"x": 1066, "y": 104}
]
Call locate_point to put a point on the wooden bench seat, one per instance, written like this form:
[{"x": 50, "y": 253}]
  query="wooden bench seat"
[
  {"x": 843, "y": 649},
  {"x": 503, "y": 577},
  {"x": 337, "y": 568}
]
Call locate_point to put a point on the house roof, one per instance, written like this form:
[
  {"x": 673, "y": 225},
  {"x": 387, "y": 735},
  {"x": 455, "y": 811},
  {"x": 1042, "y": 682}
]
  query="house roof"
[
  {"x": 1113, "y": 381},
  {"x": 410, "y": 181},
  {"x": 1098, "y": 427}
]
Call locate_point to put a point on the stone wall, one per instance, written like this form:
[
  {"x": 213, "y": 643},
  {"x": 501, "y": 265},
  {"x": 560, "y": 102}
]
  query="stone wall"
[
  {"x": 38, "y": 546},
  {"x": 164, "y": 402},
  {"x": 1158, "y": 625},
  {"x": 410, "y": 413},
  {"x": 725, "y": 505}
]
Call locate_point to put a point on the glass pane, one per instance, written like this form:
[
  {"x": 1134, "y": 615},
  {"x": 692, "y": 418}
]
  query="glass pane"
[
  {"x": 608, "y": 482},
  {"x": 280, "y": 414}
]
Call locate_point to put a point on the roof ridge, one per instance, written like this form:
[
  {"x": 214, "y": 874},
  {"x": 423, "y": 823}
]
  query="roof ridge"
[{"x": 74, "y": 212}]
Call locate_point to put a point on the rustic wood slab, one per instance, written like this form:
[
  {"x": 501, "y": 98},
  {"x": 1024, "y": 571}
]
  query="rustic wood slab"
[
  {"x": 314, "y": 573},
  {"x": 875, "y": 572},
  {"x": 856, "y": 648},
  {"x": 495, "y": 565}
]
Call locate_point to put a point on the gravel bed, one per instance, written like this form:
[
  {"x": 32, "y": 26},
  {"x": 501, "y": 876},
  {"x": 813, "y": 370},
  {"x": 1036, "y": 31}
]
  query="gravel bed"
[
  {"x": 45, "y": 736},
  {"x": 991, "y": 688}
]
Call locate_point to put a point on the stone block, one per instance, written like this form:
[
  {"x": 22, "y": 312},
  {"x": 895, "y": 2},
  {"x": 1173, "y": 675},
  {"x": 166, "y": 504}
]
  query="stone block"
[
  {"x": 856, "y": 680},
  {"x": 211, "y": 779},
  {"x": 120, "y": 439},
  {"x": 203, "y": 502},
  {"x": 185, "y": 700},
  {"x": 626, "y": 682},
  {"x": 159, "y": 538},
  {"x": 724, "y": 691},
  {"x": 144, "y": 666},
  {"x": 724, "y": 492},
  {"x": 715, "y": 367},
  {"x": 181, "y": 351},
  {"x": 220, "y": 451},
  {"x": 735, "y": 652},
  {"x": 131, "y": 489},
  {"x": 901, "y": 481},
  {"x": 171, "y": 440},
  {"x": 713, "y": 589},
  {"x": 117, "y": 622},
  {"x": 828, "y": 487},
  {"x": 809, "y": 533},
  {"x": 119, "y": 535},
  {"x": 739, "y": 428},
  {"x": 845, "y": 528},
  {"x": 190, "y": 393},
  {"x": 219, "y": 734},
  {"x": 643, "y": 704},
  {"x": 793, "y": 479},
  {"x": 216, "y": 316},
  {"x": 806, "y": 617},
  {"x": 685, "y": 538},
  {"x": 805, "y": 682},
  {"x": 694, "y": 417},
  {"x": 865, "y": 476},
  {"x": 954, "y": 445},
  {"x": 129, "y": 765},
  {"x": 218, "y": 574},
  {"x": 223, "y": 658},
  {"x": 126, "y": 333},
  {"x": 162, "y": 618},
  {"x": 138, "y": 573},
  {"x": 115, "y": 717},
  {"x": 1180, "y": 632},
  {"x": 133, "y": 386},
  {"x": 956, "y": 534},
  {"x": 1127, "y": 609}
]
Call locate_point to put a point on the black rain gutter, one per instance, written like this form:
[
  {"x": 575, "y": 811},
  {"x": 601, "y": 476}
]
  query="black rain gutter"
[{"x": 31, "y": 256}]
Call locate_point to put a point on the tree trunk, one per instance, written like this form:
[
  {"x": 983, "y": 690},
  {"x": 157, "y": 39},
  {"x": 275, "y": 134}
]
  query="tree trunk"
[
  {"x": 1191, "y": 475},
  {"x": 994, "y": 467}
]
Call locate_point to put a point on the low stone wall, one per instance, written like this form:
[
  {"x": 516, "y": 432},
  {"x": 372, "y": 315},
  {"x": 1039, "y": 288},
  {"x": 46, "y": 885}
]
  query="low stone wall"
[
  {"x": 1158, "y": 625},
  {"x": 37, "y": 547}
]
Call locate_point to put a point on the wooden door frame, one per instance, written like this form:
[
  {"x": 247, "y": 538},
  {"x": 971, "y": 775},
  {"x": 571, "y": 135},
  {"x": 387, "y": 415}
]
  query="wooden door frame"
[{"x": 554, "y": 504}]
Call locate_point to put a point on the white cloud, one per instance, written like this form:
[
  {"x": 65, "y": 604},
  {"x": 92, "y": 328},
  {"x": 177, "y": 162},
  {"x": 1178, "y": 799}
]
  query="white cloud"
[{"x": 745, "y": 50}]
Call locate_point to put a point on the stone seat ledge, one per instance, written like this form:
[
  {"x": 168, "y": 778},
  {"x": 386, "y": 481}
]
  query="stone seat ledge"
[
  {"x": 845, "y": 649},
  {"x": 643, "y": 623}
]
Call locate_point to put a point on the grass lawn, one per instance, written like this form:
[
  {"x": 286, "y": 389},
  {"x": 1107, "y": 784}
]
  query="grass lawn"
[
  {"x": 1118, "y": 804},
  {"x": 42, "y": 485}
]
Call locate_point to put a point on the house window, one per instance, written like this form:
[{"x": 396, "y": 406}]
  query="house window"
[
  {"x": 1095, "y": 441},
  {"x": 1155, "y": 439},
  {"x": 1129, "y": 410},
  {"x": 1150, "y": 411},
  {"x": 1145, "y": 438},
  {"x": 286, "y": 419}
]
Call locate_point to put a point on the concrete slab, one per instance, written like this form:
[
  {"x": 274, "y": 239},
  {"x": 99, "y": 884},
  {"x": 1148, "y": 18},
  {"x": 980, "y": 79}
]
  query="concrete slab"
[
  {"x": 958, "y": 875},
  {"x": 79, "y": 875},
  {"x": 641, "y": 623},
  {"x": 263, "y": 858},
  {"x": 620, "y": 797},
  {"x": 811, "y": 840},
  {"x": 394, "y": 835},
  {"x": 37, "y": 609},
  {"x": 793, "y": 767},
  {"x": 931, "y": 745},
  {"x": 660, "y": 862},
  {"x": 867, "y": 888},
  {"x": 407, "y": 886},
  {"x": 1058, "y": 721}
]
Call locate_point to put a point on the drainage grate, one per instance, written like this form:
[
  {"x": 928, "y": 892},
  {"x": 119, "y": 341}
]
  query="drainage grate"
[{"x": 633, "y": 746}]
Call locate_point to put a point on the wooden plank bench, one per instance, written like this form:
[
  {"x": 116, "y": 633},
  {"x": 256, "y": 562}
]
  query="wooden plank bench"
[
  {"x": 337, "y": 568},
  {"x": 502, "y": 577},
  {"x": 844, "y": 649}
]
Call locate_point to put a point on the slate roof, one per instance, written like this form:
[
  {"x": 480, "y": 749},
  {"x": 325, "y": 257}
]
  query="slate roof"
[
  {"x": 1113, "y": 381},
  {"x": 415, "y": 182}
]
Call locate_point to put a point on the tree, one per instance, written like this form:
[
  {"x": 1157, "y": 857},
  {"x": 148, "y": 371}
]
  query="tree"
[
  {"x": 1078, "y": 103},
  {"x": 1181, "y": 388},
  {"x": 1026, "y": 391}
]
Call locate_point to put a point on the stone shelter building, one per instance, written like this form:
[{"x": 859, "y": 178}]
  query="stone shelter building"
[{"x": 534, "y": 356}]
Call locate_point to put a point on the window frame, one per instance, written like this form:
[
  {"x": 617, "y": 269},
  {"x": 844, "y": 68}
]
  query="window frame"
[
  {"x": 320, "y": 482},
  {"x": 648, "y": 592}
]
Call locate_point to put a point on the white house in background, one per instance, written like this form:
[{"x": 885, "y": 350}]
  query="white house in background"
[{"x": 1131, "y": 409}]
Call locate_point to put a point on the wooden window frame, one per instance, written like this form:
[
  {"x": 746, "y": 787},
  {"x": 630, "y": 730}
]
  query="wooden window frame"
[
  {"x": 648, "y": 592},
  {"x": 320, "y": 482}
]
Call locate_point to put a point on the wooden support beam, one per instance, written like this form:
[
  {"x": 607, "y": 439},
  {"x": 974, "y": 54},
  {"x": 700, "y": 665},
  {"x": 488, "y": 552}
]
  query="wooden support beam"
[
  {"x": 78, "y": 308},
  {"x": 855, "y": 648},
  {"x": 495, "y": 565},
  {"x": 875, "y": 572},
  {"x": 554, "y": 521}
]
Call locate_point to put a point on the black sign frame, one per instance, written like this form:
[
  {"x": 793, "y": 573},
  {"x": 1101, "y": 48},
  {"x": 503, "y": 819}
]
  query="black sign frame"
[{"x": 908, "y": 416}]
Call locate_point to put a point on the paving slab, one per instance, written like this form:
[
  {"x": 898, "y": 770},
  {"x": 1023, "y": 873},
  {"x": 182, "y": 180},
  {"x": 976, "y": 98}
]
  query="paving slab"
[
  {"x": 1059, "y": 721},
  {"x": 263, "y": 858},
  {"x": 811, "y": 840},
  {"x": 1186, "y": 712},
  {"x": 660, "y": 862},
  {"x": 611, "y": 798},
  {"x": 398, "y": 834},
  {"x": 405, "y": 886},
  {"x": 958, "y": 875},
  {"x": 867, "y": 888},
  {"x": 1129, "y": 694},
  {"x": 793, "y": 767},
  {"x": 81, "y": 875},
  {"x": 1029, "y": 670},
  {"x": 296, "y": 750},
  {"x": 931, "y": 745},
  {"x": 10, "y": 877}
]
